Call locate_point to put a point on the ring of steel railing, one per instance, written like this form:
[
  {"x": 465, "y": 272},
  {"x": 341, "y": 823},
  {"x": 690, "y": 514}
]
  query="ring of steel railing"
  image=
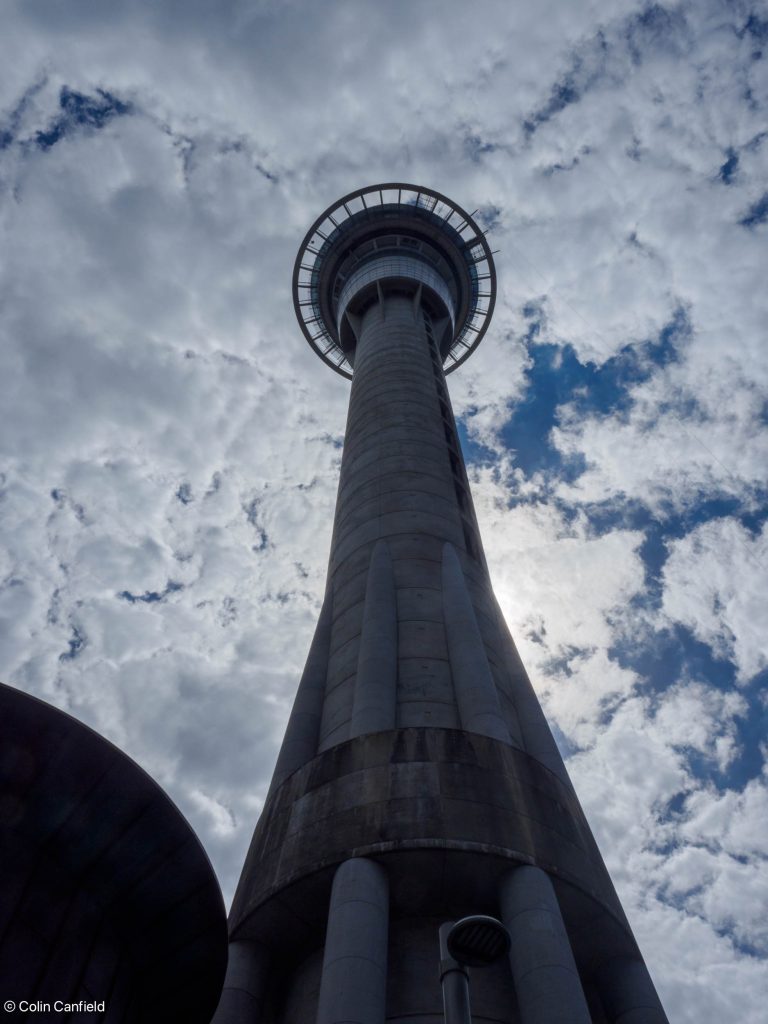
[{"x": 458, "y": 232}]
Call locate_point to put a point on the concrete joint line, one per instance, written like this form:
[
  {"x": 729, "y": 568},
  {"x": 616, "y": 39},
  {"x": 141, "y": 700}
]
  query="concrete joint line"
[
  {"x": 555, "y": 965},
  {"x": 358, "y": 956},
  {"x": 357, "y": 899}
]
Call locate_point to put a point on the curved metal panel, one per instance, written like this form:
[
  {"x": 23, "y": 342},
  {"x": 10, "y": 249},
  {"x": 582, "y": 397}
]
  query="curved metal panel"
[
  {"x": 107, "y": 896},
  {"x": 388, "y": 268}
]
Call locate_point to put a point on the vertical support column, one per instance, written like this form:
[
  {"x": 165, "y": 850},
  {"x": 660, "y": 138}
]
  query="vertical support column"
[
  {"x": 627, "y": 992},
  {"x": 303, "y": 729},
  {"x": 476, "y": 696},
  {"x": 353, "y": 987},
  {"x": 242, "y": 997},
  {"x": 375, "y": 703},
  {"x": 546, "y": 980}
]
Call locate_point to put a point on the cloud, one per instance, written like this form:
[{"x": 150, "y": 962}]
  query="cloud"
[
  {"x": 171, "y": 447},
  {"x": 715, "y": 584}
]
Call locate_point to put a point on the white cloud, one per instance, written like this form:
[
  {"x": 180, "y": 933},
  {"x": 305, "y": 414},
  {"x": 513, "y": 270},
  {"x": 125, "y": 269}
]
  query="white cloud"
[
  {"x": 734, "y": 822},
  {"x": 546, "y": 568},
  {"x": 152, "y": 377},
  {"x": 715, "y": 584}
]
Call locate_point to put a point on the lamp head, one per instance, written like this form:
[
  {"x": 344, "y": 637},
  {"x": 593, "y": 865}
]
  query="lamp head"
[{"x": 478, "y": 941}]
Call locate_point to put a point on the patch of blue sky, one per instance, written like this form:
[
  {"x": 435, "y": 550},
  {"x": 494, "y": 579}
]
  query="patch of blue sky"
[
  {"x": 184, "y": 493},
  {"x": 563, "y": 94},
  {"x": 80, "y": 111},
  {"x": 756, "y": 142},
  {"x": 556, "y": 377},
  {"x": 474, "y": 452},
  {"x": 587, "y": 66},
  {"x": 561, "y": 168},
  {"x": 561, "y": 665},
  {"x": 11, "y": 123},
  {"x": 266, "y": 173},
  {"x": 77, "y": 642},
  {"x": 476, "y": 147},
  {"x": 620, "y": 513},
  {"x": 754, "y": 519},
  {"x": 687, "y": 903},
  {"x": 730, "y": 167},
  {"x": 151, "y": 596},
  {"x": 676, "y": 805},
  {"x": 756, "y": 27},
  {"x": 751, "y": 731},
  {"x": 666, "y": 656},
  {"x": 670, "y": 654},
  {"x": 252, "y": 515},
  {"x": 667, "y": 524},
  {"x": 739, "y": 944},
  {"x": 655, "y": 28},
  {"x": 489, "y": 217},
  {"x": 757, "y": 213}
]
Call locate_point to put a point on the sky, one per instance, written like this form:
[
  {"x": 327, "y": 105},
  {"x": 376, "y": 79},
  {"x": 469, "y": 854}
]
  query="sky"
[{"x": 170, "y": 445}]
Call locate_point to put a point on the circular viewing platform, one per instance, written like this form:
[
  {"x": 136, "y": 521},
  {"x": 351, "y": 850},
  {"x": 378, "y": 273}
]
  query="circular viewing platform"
[{"x": 393, "y": 237}]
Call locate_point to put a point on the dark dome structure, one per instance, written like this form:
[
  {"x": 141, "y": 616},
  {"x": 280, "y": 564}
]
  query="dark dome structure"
[{"x": 107, "y": 899}]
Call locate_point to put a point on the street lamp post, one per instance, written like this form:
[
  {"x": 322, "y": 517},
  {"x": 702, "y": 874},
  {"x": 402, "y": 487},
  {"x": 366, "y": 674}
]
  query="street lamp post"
[{"x": 475, "y": 941}]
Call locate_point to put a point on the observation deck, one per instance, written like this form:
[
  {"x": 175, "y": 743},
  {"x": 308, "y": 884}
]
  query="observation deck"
[{"x": 393, "y": 238}]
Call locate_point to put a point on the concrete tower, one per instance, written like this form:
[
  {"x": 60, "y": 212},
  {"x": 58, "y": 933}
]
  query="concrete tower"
[{"x": 418, "y": 781}]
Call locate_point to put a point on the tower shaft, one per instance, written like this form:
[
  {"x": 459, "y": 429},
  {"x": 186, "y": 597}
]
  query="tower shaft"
[{"x": 403, "y": 493}]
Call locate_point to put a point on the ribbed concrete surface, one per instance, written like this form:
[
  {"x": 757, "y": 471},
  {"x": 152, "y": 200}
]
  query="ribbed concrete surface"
[{"x": 403, "y": 482}]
